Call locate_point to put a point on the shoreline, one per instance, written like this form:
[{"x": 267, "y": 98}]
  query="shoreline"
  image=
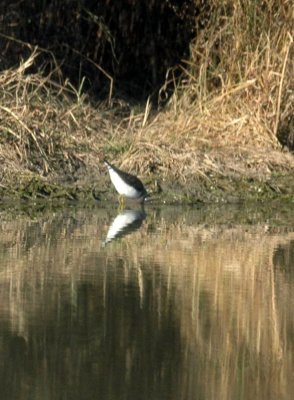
[{"x": 212, "y": 190}]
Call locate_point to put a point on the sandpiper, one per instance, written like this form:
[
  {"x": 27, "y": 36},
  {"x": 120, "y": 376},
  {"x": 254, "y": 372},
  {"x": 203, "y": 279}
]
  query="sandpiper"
[{"x": 127, "y": 185}]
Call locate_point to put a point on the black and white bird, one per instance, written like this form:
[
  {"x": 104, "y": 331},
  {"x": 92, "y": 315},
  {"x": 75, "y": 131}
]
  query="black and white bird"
[
  {"x": 125, "y": 223},
  {"x": 127, "y": 185}
]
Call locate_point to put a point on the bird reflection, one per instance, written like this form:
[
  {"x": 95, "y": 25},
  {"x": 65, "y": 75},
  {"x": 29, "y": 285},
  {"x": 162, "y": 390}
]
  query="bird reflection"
[{"x": 125, "y": 223}]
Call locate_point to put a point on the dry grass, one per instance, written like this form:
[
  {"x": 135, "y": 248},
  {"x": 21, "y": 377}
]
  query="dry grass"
[
  {"x": 47, "y": 126},
  {"x": 222, "y": 119},
  {"x": 225, "y": 114}
]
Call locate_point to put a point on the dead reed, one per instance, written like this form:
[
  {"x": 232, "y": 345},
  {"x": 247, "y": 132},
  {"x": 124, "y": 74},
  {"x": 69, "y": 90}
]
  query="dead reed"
[
  {"x": 237, "y": 88},
  {"x": 222, "y": 119}
]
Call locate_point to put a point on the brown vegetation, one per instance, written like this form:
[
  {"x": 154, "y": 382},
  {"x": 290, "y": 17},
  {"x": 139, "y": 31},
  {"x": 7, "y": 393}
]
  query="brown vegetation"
[{"x": 223, "y": 119}]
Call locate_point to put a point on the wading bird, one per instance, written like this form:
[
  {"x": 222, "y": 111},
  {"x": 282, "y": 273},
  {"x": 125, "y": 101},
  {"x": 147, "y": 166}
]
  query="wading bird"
[{"x": 127, "y": 185}]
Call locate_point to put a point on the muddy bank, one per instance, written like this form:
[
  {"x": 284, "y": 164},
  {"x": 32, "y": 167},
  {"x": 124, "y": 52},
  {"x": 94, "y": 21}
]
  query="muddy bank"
[{"x": 207, "y": 190}]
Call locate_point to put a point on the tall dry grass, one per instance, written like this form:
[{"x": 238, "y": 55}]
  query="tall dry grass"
[
  {"x": 237, "y": 88},
  {"x": 46, "y": 125},
  {"x": 222, "y": 119}
]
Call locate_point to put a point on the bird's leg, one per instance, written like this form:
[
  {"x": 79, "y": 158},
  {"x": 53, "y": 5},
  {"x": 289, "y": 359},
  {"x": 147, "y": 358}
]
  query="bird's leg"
[{"x": 121, "y": 201}]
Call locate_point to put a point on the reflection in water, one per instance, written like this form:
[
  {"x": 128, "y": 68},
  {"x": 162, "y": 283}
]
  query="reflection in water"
[
  {"x": 181, "y": 309},
  {"x": 125, "y": 223}
]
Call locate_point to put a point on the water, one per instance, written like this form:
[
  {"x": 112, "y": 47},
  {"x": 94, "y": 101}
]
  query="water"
[{"x": 168, "y": 304}]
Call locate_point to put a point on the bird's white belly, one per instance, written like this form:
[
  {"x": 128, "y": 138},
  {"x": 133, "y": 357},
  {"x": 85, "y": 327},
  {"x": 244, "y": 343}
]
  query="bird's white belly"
[{"x": 121, "y": 186}]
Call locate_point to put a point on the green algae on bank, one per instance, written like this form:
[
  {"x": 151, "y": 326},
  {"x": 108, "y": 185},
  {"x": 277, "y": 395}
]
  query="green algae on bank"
[{"x": 216, "y": 189}]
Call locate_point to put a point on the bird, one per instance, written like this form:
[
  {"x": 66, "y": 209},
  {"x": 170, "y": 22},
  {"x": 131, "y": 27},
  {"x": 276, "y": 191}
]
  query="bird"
[
  {"x": 127, "y": 185},
  {"x": 125, "y": 222}
]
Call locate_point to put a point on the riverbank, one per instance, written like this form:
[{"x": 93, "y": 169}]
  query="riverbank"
[
  {"x": 207, "y": 190},
  {"x": 206, "y": 145}
]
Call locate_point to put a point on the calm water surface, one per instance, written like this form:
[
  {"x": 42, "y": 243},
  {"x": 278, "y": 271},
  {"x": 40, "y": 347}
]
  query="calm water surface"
[{"x": 170, "y": 303}]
